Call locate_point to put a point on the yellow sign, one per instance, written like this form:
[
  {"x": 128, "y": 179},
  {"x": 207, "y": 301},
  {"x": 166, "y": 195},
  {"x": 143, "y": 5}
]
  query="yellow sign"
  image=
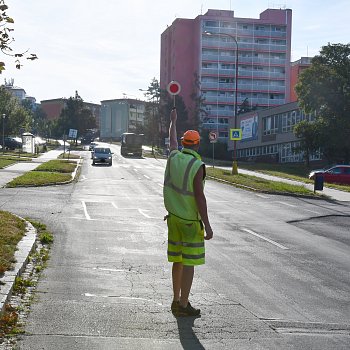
[{"x": 235, "y": 134}]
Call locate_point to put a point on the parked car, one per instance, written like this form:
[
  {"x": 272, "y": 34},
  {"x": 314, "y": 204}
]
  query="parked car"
[
  {"x": 12, "y": 142},
  {"x": 339, "y": 174},
  {"x": 102, "y": 155}
]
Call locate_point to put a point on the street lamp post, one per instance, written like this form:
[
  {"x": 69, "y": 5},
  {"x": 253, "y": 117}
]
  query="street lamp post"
[
  {"x": 3, "y": 133},
  {"x": 234, "y": 164}
]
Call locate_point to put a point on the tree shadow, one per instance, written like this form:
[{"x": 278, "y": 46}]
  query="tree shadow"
[{"x": 188, "y": 338}]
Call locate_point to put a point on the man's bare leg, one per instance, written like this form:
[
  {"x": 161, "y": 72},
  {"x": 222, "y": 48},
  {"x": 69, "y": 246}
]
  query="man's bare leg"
[
  {"x": 186, "y": 284},
  {"x": 177, "y": 279}
]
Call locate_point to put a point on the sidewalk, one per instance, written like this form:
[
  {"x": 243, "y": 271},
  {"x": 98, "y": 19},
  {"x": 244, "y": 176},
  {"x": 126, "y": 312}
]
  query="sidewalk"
[{"x": 9, "y": 173}]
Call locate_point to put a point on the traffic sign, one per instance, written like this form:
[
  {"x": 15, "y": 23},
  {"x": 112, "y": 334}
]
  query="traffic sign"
[
  {"x": 174, "y": 88},
  {"x": 235, "y": 134},
  {"x": 73, "y": 133},
  {"x": 212, "y": 136}
]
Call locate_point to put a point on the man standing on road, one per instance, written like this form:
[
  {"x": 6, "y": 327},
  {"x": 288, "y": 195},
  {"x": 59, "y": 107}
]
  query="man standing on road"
[{"x": 186, "y": 204}]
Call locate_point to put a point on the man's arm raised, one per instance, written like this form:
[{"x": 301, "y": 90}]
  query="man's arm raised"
[{"x": 172, "y": 130}]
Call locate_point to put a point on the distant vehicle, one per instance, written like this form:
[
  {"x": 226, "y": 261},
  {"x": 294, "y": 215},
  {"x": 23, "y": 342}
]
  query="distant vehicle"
[
  {"x": 11, "y": 143},
  {"x": 92, "y": 145},
  {"x": 131, "y": 144},
  {"x": 102, "y": 155},
  {"x": 339, "y": 174}
]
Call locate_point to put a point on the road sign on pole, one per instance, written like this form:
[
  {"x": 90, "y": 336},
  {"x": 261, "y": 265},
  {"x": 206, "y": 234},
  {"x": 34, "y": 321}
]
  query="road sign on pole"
[
  {"x": 213, "y": 136},
  {"x": 73, "y": 133},
  {"x": 174, "y": 88},
  {"x": 235, "y": 134}
]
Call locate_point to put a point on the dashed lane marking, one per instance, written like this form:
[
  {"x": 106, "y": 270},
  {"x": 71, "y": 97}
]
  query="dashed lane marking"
[
  {"x": 87, "y": 216},
  {"x": 265, "y": 239}
]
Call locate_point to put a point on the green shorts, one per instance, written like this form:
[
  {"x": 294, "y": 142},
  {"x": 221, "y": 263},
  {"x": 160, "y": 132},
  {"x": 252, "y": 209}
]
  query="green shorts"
[{"x": 185, "y": 241}]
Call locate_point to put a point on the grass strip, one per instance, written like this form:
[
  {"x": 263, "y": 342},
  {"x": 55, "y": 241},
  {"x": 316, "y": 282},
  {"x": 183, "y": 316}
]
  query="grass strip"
[
  {"x": 12, "y": 229},
  {"x": 6, "y": 162},
  {"x": 57, "y": 165},
  {"x": 257, "y": 183},
  {"x": 39, "y": 178}
]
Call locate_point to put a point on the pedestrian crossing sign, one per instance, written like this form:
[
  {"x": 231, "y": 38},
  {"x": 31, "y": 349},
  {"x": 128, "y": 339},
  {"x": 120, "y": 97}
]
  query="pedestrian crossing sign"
[{"x": 235, "y": 134}]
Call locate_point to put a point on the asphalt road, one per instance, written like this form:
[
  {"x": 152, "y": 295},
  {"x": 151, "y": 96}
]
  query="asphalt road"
[{"x": 276, "y": 277}]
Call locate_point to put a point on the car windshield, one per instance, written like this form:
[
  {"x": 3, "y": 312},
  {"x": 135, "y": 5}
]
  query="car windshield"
[{"x": 102, "y": 150}]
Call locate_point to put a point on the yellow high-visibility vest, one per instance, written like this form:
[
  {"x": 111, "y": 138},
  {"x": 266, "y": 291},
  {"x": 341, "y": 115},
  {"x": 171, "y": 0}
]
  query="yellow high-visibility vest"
[{"x": 178, "y": 183}]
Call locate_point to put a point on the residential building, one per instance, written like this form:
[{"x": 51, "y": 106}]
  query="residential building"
[
  {"x": 267, "y": 135},
  {"x": 16, "y": 91},
  {"x": 295, "y": 69},
  {"x": 201, "y": 55},
  {"x": 119, "y": 116},
  {"x": 54, "y": 107}
]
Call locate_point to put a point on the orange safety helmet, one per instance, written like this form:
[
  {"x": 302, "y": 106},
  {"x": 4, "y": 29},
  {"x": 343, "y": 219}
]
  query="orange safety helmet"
[{"x": 190, "y": 138}]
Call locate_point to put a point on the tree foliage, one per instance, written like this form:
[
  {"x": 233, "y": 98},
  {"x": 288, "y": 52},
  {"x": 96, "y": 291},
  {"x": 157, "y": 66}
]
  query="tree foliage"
[
  {"x": 6, "y": 39},
  {"x": 17, "y": 118},
  {"x": 74, "y": 116},
  {"x": 324, "y": 88}
]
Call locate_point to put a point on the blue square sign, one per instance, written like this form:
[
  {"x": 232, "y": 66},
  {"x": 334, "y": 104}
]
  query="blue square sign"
[{"x": 235, "y": 134}]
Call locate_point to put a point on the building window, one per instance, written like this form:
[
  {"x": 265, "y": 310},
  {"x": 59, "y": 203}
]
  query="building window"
[
  {"x": 270, "y": 125},
  {"x": 290, "y": 119}
]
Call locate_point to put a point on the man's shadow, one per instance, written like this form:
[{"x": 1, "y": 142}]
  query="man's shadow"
[{"x": 188, "y": 338}]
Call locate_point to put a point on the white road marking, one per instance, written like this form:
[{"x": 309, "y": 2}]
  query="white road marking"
[
  {"x": 119, "y": 297},
  {"x": 87, "y": 216},
  {"x": 287, "y": 204},
  {"x": 265, "y": 239},
  {"x": 144, "y": 214},
  {"x": 311, "y": 211},
  {"x": 161, "y": 185},
  {"x": 147, "y": 177},
  {"x": 114, "y": 205},
  {"x": 261, "y": 196}
]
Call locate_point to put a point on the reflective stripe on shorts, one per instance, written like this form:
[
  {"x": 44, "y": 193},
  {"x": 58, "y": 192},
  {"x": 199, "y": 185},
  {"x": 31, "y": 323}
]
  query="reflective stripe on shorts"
[{"x": 185, "y": 241}]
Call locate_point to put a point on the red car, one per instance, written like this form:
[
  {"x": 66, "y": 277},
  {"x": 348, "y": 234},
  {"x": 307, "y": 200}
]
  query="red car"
[{"x": 339, "y": 174}]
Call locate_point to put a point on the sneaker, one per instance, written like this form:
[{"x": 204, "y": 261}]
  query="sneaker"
[
  {"x": 174, "y": 306},
  {"x": 189, "y": 310}
]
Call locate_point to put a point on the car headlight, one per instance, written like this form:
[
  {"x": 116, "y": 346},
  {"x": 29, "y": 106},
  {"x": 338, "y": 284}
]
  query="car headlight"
[{"x": 109, "y": 157}]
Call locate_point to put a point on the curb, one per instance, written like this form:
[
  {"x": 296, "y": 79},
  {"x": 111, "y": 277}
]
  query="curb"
[{"x": 25, "y": 246}]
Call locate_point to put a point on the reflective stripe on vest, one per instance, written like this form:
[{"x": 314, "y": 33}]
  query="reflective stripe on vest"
[
  {"x": 180, "y": 172},
  {"x": 182, "y": 190}
]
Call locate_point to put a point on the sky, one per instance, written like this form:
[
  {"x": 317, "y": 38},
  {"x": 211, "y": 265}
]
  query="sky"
[{"x": 110, "y": 49}]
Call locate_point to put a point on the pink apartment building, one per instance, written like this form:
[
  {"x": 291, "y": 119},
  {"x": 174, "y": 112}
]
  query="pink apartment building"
[{"x": 206, "y": 48}]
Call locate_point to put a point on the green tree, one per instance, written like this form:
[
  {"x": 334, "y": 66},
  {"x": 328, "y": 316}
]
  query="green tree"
[
  {"x": 152, "y": 122},
  {"x": 18, "y": 119},
  {"x": 324, "y": 88},
  {"x": 310, "y": 137},
  {"x": 6, "y": 39},
  {"x": 74, "y": 116}
]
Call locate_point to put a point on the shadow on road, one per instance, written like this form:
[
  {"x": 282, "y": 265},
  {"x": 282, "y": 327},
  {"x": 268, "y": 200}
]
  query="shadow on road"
[{"x": 188, "y": 338}]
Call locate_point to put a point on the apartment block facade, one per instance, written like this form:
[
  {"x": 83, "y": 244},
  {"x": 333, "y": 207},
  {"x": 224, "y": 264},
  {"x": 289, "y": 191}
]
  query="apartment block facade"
[
  {"x": 201, "y": 55},
  {"x": 119, "y": 116},
  {"x": 296, "y": 68}
]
